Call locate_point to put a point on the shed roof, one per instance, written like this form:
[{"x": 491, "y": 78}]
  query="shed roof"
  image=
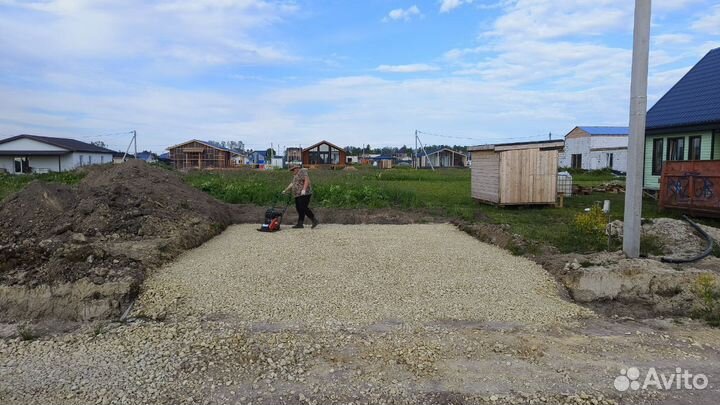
[
  {"x": 694, "y": 100},
  {"x": 71, "y": 145},
  {"x": 554, "y": 144},
  {"x": 606, "y": 131}
]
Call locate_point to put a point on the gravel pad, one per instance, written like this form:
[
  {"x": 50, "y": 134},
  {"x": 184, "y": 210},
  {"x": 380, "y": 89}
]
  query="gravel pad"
[{"x": 355, "y": 275}]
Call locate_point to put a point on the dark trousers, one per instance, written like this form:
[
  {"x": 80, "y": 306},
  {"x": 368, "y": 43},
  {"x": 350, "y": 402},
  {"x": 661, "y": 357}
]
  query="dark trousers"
[{"x": 301, "y": 205}]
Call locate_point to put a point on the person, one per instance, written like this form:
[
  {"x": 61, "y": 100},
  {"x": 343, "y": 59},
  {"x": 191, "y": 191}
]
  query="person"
[{"x": 301, "y": 188}]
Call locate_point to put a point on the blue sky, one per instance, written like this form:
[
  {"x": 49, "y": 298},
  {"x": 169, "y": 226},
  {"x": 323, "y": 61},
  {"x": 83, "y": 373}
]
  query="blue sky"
[{"x": 352, "y": 72}]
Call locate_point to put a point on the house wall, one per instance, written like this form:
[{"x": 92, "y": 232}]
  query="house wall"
[
  {"x": 198, "y": 155},
  {"x": 485, "y": 176},
  {"x": 68, "y": 161},
  {"x": 652, "y": 182},
  {"x": 580, "y": 142}
]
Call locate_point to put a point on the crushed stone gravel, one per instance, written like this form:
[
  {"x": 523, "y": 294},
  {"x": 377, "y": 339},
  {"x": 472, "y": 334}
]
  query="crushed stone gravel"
[{"x": 355, "y": 275}]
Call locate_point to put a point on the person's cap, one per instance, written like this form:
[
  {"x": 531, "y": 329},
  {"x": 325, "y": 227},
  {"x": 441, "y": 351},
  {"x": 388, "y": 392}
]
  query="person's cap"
[{"x": 293, "y": 167}]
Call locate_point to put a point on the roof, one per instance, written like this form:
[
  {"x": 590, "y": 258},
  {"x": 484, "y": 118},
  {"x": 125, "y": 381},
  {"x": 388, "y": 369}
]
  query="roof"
[
  {"x": 326, "y": 142},
  {"x": 606, "y": 131},
  {"x": 694, "y": 100},
  {"x": 71, "y": 145},
  {"x": 444, "y": 149},
  {"x": 204, "y": 143},
  {"x": 554, "y": 144}
]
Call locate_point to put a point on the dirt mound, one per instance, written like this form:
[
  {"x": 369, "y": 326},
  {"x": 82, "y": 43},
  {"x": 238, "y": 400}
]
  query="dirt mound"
[{"x": 112, "y": 226}]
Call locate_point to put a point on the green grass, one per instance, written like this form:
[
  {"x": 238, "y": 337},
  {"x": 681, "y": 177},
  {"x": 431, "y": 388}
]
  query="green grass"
[
  {"x": 445, "y": 191},
  {"x": 591, "y": 178},
  {"x": 11, "y": 184}
]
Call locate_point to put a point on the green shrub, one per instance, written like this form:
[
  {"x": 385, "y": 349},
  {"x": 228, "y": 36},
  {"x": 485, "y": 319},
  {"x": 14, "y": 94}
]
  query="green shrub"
[{"x": 593, "y": 222}]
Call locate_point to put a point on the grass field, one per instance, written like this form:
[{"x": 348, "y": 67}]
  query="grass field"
[
  {"x": 446, "y": 190},
  {"x": 10, "y": 184}
]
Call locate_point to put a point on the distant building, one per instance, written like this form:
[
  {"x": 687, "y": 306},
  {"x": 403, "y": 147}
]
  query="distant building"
[
  {"x": 444, "y": 157},
  {"x": 324, "y": 154},
  {"x": 595, "y": 148},
  {"x": 258, "y": 157},
  {"x": 196, "y": 154},
  {"x": 41, "y": 154},
  {"x": 293, "y": 155},
  {"x": 148, "y": 157}
]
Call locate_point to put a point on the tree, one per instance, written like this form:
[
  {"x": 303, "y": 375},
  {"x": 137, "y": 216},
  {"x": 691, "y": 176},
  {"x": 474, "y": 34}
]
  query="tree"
[
  {"x": 99, "y": 144},
  {"x": 270, "y": 152}
]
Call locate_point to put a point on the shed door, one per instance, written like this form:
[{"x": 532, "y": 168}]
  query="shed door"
[{"x": 528, "y": 176}]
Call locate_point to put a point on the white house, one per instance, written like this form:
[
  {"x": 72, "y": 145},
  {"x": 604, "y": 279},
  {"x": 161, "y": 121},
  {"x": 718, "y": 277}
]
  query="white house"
[
  {"x": 594, "y": 148},
  {"x": 41, "y": 154}
]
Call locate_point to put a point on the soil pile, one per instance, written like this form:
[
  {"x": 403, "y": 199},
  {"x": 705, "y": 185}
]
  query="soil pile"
[{"x": 112, "y": 226}]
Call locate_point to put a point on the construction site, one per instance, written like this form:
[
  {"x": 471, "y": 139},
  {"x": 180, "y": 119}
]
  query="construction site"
[{"x": 133, "y": 287}]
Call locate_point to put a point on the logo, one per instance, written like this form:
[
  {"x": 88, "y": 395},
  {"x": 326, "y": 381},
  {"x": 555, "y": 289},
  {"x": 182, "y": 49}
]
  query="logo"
[{"x": 629, "y": 379}]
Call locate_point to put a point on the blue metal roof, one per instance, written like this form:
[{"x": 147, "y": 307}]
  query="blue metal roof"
[
  {"x": 615, "y": 131},
  {"x": 694, "y": 100}
]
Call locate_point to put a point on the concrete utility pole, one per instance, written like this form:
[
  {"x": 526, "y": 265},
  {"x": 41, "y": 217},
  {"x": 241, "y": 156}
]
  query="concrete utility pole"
[{"x": 636, "y": 141}]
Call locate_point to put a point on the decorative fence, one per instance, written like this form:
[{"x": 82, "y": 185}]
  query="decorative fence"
[{"x": 691, "y": 186}]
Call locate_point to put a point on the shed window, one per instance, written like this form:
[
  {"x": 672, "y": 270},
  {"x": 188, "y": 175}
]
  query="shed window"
[
  {"x": 610, "y": 160},
  {"x": 676, "y": 149},
  {"x": 695, "y": 148},
  {"x": 657, "y": 157},
  {"x": 576, "y": 161}
]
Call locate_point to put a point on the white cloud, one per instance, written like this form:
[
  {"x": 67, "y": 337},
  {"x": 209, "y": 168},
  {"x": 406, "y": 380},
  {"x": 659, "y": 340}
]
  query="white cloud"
[
  {"x": 403, "y": 14},
  {"x": 412, "y": 68},
  {"x": 709, "y": 23},
  {"x": 449, "y": 5},
  {"x": 672, "y": 39}
]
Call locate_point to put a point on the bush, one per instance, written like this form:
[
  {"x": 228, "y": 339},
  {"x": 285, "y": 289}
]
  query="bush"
[{"x": 592, "y": 223}]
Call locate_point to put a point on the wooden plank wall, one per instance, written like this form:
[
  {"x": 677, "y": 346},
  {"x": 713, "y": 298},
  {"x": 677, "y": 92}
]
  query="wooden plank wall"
[
  {"x": 485, "y": 174},
  {"x": 528, "y": 176}
]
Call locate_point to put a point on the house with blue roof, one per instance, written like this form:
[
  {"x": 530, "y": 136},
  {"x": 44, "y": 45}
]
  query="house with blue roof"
[
  {"x": 595, "y": 148},
  {"x": 684, "y": 125}
]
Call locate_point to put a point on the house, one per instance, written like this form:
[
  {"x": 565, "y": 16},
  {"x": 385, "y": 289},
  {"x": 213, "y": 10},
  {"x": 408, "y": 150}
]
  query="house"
[
  {"x": 294, "y": 155},
  {"x": 515, "y": 173},
  {"x": 195, "y": 154},
  {"x": 684, "y": 125},
  {"x": 324, "y": 154},
  {"x": 148, "y": 157},
  {"x": 595, "y": 148},
  {"x": 278, "y": 161},
  {"x": 352, "y": 160},
  {"x": 239, "y": 159},
  {"x": 258, "y": 157},
  {"x": 41, "y": 154},
  {"x": 444, "y": 157},
  {"x": 383, "y": 161}
]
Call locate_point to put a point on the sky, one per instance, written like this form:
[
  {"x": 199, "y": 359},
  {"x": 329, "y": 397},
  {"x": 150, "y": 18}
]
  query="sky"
[{"x": 292, "y": 73}]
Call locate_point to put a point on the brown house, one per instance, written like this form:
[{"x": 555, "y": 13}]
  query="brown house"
[
  {"x": 200, "y": 155},
  {"x": 324, "y": 154}
]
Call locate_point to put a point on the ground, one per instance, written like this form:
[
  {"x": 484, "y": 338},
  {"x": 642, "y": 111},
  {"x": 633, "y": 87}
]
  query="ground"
[{"x": 356, "y": 314}]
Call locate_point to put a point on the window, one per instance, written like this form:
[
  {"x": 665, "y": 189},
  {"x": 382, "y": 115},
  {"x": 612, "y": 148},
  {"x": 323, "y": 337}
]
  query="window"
[
  {"x": 610, "y": 160},
  {"x": 676, "y": 149},
  {"x": 82, "y": 160},
  {"x": 576, "y": 161},
  {"x": 102, "y": 159},
  {"x": 695, "y": 148},
  {"x": 657, "y": 157},
  {"x": 89, "y": 159}
]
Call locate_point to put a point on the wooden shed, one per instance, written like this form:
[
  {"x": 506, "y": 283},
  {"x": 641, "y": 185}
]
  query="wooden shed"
[{"x": 515, "y": 173}]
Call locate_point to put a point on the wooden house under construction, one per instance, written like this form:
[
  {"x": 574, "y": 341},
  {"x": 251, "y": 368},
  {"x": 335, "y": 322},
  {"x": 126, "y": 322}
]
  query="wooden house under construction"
[
  {"x": 200, "y": 155},
  {"x": 515, "y": 173},
  {"x": 324, "y": 155}
]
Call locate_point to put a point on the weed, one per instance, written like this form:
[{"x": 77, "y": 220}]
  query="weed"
[
  {"x": 708, "y": 294},
  {"x": 25, "y": 331},
  {"x": 716, "y": 249},
  {"x": 651, "y": 245},
  {"x": 592, "y": 223}
]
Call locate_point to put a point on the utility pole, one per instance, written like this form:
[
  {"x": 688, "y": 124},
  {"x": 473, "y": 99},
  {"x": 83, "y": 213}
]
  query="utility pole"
[
  {"x": 415, "y": 163},
  {"x": 638, "y": 111},
  {"x": 133, "y": 141}
]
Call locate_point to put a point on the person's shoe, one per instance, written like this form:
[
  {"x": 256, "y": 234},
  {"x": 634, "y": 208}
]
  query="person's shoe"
[
  {"x": 298, "y": 226},
  {"x": 315, "y": 223}
]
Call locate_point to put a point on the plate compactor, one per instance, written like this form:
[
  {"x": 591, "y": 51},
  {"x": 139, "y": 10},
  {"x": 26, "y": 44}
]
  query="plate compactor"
[{"x": 274, "y": 214}]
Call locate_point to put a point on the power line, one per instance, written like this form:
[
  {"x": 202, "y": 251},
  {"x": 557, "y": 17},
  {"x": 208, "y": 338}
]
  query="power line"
[{"x": 480, "y": 140}]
